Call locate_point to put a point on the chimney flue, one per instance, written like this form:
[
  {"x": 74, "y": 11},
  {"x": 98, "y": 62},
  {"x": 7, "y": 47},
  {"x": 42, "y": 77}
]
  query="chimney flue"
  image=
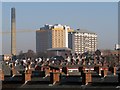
[{"x": 13, "y": 32}]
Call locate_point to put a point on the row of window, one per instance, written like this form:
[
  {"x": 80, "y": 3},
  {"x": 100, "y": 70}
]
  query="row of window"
[
  {"x": 84, "y": 43},
  {"x": 85, "y": 36},
  {"x": 84, "y": 50},
  {"x": 85, "y": 40}
]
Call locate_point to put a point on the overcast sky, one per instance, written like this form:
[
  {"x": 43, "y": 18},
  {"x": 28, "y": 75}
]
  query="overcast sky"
[{"x": 99, "y": 17}]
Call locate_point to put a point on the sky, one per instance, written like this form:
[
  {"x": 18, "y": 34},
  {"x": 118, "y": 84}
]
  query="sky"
[{"x": 98, "y": 17}]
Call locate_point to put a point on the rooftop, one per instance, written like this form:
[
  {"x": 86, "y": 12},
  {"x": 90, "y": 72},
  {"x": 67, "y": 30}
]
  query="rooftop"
[
  {"x": 84, "y": 31},
  {"x": 71, "y": 82}
]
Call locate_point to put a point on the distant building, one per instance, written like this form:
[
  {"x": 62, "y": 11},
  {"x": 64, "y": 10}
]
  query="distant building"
[
  {"x": 52, "y": 36},
  {"x": 81, "y": 41},
  {"x": 110, "y": 52},
  {"x": 7, "y": 57},
  {"x": 117, "y": 46}
]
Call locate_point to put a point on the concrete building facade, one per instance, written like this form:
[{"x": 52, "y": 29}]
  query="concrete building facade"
[
  {"x": 52, "y": 36},
  {"x": 81, "y": 41}
]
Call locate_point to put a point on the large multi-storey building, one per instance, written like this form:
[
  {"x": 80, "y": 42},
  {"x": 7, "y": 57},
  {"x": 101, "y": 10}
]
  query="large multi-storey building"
[
  {"x": 52, "y": 36},
  {"x": 81, "y": 41}
]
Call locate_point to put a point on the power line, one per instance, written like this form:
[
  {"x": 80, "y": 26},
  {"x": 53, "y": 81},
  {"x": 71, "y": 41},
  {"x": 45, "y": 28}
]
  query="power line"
[{"x": 18, "y": 31}]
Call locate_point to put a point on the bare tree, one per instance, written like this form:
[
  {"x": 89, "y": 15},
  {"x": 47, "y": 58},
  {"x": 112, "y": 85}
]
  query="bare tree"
[{"x": 30, "y": 54}]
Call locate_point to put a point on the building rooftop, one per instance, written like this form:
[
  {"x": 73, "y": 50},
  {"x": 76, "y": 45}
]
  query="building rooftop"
[
  {"x": 71, "y": 82},
  {"x": 47, "y": 26},
  {"x": 84, "y": 31}
]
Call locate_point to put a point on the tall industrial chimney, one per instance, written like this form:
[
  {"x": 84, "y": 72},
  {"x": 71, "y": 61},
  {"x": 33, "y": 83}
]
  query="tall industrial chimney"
[{"x": 13, "y": 32}]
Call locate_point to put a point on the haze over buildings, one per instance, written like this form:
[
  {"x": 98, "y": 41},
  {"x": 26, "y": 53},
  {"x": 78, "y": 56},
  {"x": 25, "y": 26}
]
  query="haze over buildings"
[{"x": 101, "y": 18}]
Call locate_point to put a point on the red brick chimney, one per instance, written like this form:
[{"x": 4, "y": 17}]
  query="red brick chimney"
[
  {"x": 47, "y": 71},
  {"x": 14, "y": 72},
  {"x": 28, "y": 75},
  {"x": 1, "y": 75},
  {"x": 104, "y": 71},
  {"x": 115, "y": 70},
  {"x": 97, "y": 69},
  {"x": 54, "y": 77},
  {"x": 86, "y": 77}
]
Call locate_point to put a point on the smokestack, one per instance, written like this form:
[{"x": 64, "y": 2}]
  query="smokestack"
[{"x": 13, "y": 32}]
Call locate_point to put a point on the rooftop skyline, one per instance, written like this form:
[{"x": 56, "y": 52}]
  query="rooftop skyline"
[{"x": 101, "y": 18}]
